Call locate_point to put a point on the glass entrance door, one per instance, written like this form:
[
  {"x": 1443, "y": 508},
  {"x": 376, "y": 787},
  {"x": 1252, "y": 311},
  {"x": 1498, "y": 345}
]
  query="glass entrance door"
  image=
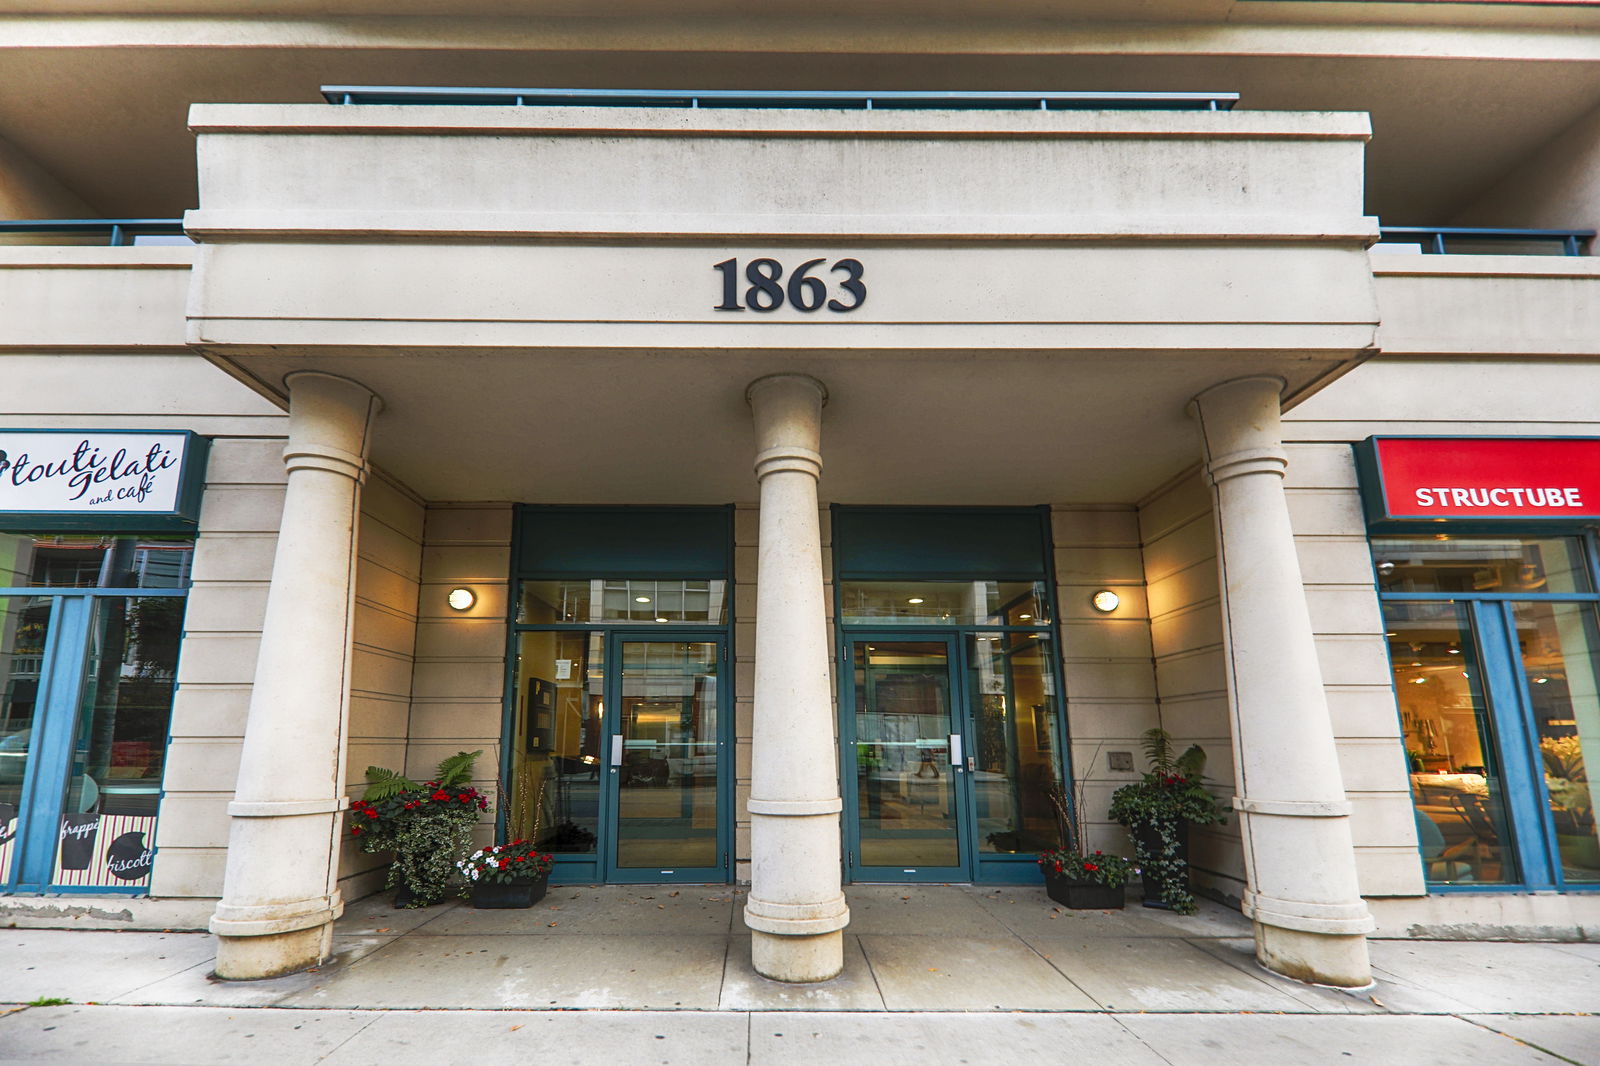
[
  {"x": 667, "y": 782},
  {"x": 909, "y": 756},
  {"x": 951, "y": 748}
]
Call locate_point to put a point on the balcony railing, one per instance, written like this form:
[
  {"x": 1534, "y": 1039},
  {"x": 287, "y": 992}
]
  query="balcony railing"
[
  {"x": 901, "y": 100},
  {"x": 1469, "y": 240},
  {"x": 93, "y": 231}
]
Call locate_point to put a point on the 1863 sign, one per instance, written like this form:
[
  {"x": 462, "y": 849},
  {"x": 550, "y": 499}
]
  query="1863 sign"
[{"x": 78, "y": 480}]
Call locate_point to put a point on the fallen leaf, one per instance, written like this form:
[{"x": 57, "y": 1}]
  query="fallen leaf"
[
  {"x": 514, "y": 1028},
  {"x": 552, "y": 925}
]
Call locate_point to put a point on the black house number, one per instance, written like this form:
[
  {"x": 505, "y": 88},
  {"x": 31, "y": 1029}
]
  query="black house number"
[{"x": 767, "y": 289}]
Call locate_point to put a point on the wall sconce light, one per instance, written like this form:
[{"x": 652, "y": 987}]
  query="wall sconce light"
[
  {"x": 461, "y": 599},
  {"x": 1105, "y": 601}
]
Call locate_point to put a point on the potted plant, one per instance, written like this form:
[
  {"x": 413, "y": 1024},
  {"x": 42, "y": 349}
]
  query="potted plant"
[
  {"x": 1085, "y": 882},
  {"x": 1158, "y": 811},
  {"x": 428, "y": 826},
  {"x": 507, "y": 875}
]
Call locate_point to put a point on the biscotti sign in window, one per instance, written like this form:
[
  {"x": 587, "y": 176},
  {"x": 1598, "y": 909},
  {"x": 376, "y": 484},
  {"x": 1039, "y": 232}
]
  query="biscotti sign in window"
[
  {"x": 1410, "y": 479},
  {"x": 77, "y": 479}
]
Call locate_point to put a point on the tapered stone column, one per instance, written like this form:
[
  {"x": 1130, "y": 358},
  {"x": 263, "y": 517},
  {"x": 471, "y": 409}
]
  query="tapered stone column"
[
  {"x": 1301, "y": 889},
  {"x": 796, "y": 907},
  {"x": 280, "y": 893}
]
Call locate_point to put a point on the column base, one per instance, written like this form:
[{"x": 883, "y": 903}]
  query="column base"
[
  {"x": 251, "y": 958},
  {"x": 797, "y": 959},
  {"x": 1338, "y": 959}
]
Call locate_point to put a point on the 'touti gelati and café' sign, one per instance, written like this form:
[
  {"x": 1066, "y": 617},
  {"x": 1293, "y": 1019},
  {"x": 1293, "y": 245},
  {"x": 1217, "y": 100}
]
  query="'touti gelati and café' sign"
[{"x": 74, "y": 479}]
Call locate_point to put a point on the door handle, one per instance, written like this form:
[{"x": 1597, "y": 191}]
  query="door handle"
[
  {"x": 955, "y": 750},
  {"x": 616, "y": 750}
]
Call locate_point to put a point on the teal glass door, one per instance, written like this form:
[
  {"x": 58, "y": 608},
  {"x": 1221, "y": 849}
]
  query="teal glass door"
[
  {"x": 668, "y": 794},
  {"x": 905, "y": 743}
]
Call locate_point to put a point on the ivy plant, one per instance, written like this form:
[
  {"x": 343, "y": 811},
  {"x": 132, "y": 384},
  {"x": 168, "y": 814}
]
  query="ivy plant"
[{"x": 1170, "y": 795}]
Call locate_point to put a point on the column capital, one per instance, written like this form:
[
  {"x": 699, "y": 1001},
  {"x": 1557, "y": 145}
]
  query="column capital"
[
  {"x": 790, "y": 380},
  {"x": 1240, "y": 427}
]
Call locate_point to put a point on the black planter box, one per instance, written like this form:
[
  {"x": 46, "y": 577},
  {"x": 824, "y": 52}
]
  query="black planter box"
[
  {"x": 1083, "y": 895},
  {"x": 517, "y": 894},
  {"x": 1150, "y": 843}
]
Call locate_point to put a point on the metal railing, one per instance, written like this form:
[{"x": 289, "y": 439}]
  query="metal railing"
[
  {"x": 782, "y": 98},
  {"x": 118, "y": 231},
  {"x": 1436, "y": 240}
]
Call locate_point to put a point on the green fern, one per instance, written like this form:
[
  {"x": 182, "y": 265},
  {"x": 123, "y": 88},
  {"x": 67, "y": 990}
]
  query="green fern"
[
  {"x": 1192, "y": 763},
  {"x": 383, "y": 784},
  {"x": 1158, "y": 749},
  {"x": 457, "y": 769}
]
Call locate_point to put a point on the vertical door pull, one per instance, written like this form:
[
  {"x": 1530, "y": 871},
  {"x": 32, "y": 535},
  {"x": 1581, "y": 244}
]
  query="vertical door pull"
[
  {"x": 616, "y": 749},
  {"x": 955, "y": 750}
]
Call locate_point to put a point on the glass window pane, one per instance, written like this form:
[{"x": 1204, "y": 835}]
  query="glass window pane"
[
  {"x": 1456, "y": 786},
  {"x": 24, "y": 624},
  {"x": 114, "y": 785},
  {"x": 1558, "y": 644},
  {"x": 556, "y": 741},
  {"x": 78, "y": 561},
  {"x": 667, "y": 783},
  {"x": 905, "y": 795},
  {"x": 613, "y": 601},
  {"x": 1015, "y": 742},
  {"x": 1480, "y": 564},
  {"x": 995, "y": 603}
]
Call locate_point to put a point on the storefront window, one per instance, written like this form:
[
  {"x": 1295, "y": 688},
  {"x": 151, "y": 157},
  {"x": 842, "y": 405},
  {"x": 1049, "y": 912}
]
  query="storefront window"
[
  {"x": 1480, "y": 564},
  {"x": 1558, "y": 646},
  {"x": 1015, "y": 743},
  {"x": 1455, "y": 783},
  {"x": 558, "y": 722},
  {"x": 944, "y": 603},
  {"x": 88, "y": 667},
  {"x": 1493, "y": 642}
]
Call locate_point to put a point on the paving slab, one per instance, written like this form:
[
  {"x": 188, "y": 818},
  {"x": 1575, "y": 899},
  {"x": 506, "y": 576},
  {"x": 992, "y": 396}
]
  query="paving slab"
[
  {"x": 940, "y": 973},
  {"x": 943, "y": 1040},
  {"x": 605, "y": 972},
  {"x": 197, "y": 985},
  {"x": 376, "y": 915},
  {"x": 891, "y": 910},
  {"x": 854, "y": 990},
  {"x": 1165, "y": 975},
  {"x": 1027, "y": 911},
  {"x": 1572, "y": 1036},
  {"x": 655, "y": 910},
  {"x": 90, "y": 966},
  {"x": 1482, "y": 975},
  {"x": 1240, "y": 953},
  {"x": 1326, "y": 1040},
  {"x": 567, "y": 1038},
  {"x": 175, "y": 1036}
]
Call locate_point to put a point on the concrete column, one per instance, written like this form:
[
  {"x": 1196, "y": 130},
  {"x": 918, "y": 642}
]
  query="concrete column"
[
  {"x": 1301, "y": 889},
  {"x": 280, "y": 893},
  {"x": 796, "y": 907}
]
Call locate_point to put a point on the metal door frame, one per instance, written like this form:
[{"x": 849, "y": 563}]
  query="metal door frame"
[
  {"x": 960, "y": 724},
  {"x": 610, "y": 871}
]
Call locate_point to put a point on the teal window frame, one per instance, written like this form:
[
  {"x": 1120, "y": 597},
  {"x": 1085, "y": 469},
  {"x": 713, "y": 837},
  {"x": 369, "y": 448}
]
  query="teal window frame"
[
  {"x": 49, "y": 767},
  {"x": 1510, "y": 703},
  {"x": 1023, "y": 867}
]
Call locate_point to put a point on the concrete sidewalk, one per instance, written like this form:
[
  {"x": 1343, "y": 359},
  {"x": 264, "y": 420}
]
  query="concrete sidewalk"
[{"x": 662, "y": 974}]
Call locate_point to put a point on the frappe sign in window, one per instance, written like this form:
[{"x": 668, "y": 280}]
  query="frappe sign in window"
[{"x": 79, "y": 479}]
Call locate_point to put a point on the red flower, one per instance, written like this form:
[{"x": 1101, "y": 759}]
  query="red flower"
[
  {"x": 371, "y": 813},
  {"x": 522, "y": 858},
  {"x": 441, "y": 795},
  {"x": 355, "y": 804},
  {"x": 1090, "y": 866},
  {"x": 547, "y": 858},
  {"x": 1058, "y": 867},
  {"x": 355, "y": 830}
]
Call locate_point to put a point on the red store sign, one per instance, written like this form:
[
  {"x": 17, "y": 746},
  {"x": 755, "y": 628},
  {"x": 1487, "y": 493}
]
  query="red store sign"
[{"x": 1428, "y": 478}]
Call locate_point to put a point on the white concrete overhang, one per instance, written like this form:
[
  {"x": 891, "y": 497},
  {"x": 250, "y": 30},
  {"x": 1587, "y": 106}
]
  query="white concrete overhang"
[
  {"x": 532, "y": 293},
  {"x": 1496, "y": 306},
  {"x": 59, "y": 299}
]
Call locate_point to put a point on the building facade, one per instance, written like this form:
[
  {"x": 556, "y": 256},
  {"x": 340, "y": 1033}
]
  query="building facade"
[{"x": 882, "y": 462}]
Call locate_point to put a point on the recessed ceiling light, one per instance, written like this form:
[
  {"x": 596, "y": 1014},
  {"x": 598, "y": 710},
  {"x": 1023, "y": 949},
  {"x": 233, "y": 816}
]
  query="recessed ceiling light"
[
  {"x": 915, "y": 599},
  {"x": 641, "y": 599},
  {"x": 1024, "y": 617},
  {"x": 660, "y": 619},
  {"x": 1540, "y": 680}
]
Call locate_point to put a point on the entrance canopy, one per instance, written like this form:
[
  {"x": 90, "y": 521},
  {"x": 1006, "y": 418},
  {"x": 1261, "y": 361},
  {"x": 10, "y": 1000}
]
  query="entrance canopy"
[{"x": 566, "y": 304}]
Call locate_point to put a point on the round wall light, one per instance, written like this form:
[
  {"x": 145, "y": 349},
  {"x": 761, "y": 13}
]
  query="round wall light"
[
  {"x": 461, "y": 599},
  {"x": 1105, "y": 601}
]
